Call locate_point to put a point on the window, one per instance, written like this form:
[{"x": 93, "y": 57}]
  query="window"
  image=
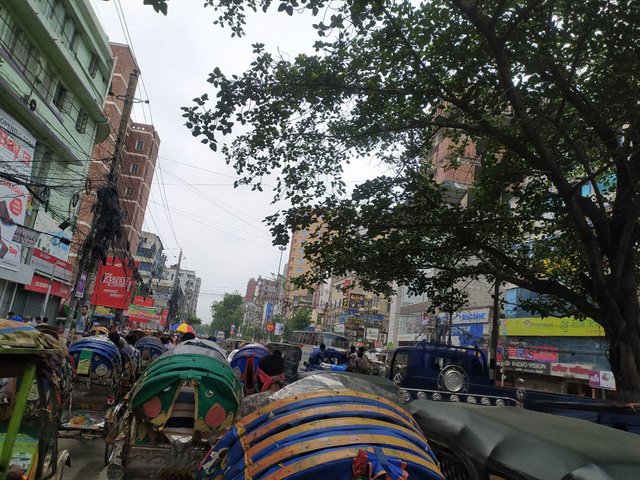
[
  {"x": 94, "y": 63},
  {"x": 301, "y": 259},
  {"x": 60, "y": 96},
  {"x": 134, "y": 168},
  {"x": 139, "y": 145},
  {"x": 81, "y": 122},
  {"x": 128, "y": 191},
  {"x": 299, "y": 269}
]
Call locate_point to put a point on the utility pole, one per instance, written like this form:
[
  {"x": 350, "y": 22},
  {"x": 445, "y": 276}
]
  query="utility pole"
[
  {"x": 173, "y": 302},
  {"x": 86, "y": 261}
]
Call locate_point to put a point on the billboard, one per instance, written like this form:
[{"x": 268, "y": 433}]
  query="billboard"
[
  {"x": 55, "y": 243},
  {"x": 114, "y": 284},
  {"x": 550, "y": 327},
  {"x": 17, "y": 148}
]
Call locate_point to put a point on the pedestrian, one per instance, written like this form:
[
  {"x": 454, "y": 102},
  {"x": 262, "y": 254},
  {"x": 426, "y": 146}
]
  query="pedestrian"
[
  {"x": 45, "y": 320},
  {"x": 362, "y": 364},
  {"x": 38, "y": 320},
  {"x": 187, "y": 336},
  {"x": 351, "y": 362},
  {"x": 15, "y": 472},
  {"x": 15, "y": 318},
  {"x": 317, "y": 355}
]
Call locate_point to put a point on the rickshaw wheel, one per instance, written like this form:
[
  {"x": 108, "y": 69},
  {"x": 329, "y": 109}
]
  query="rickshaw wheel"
[{"x": 109, "y": 450}]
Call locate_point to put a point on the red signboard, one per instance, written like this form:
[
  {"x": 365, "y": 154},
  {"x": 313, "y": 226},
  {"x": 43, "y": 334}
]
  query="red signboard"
[
  {"x": 143, "y": 301},
  {"x": 47, "y": 264},
  {"x": 114, "y": 285},
  {"x": 41, "y": 285}
]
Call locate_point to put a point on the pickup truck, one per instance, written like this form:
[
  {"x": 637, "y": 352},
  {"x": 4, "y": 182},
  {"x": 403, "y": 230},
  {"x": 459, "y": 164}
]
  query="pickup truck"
[{"x": 433, "y": 371}]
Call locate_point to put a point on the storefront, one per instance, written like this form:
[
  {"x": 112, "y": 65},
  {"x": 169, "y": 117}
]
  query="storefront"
[{"x": 561, "y": 355}]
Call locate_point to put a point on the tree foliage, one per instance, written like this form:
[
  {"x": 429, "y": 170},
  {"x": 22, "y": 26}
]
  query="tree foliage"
[
  {"x": 226, "y": 312},
  {"x": 193, "y": 320},
  {"x": 540, "y": 95},
  {"x": 300, "y": 320}
]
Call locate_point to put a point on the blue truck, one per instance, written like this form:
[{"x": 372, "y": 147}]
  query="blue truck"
[{"x": 438, "y": 372}]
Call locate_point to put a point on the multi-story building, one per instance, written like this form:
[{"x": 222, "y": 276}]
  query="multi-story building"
[
  {"x": 138, "y": 157},
  {"x": 150, "y": 257},
  {"x": 189, "y": 285},
  {"x": 54, "y": 75},
  {"x": 266, "y": 298},
  {"x": 251, "y": 290},
  {"x": 410, "y": 320},
  {"x": 352, "y": 311},
  {"x": 295, "y": 298}
]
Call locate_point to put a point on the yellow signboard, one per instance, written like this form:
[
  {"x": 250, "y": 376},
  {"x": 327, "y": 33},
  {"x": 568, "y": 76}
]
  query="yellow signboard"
[{"x": 550, "y": 327}]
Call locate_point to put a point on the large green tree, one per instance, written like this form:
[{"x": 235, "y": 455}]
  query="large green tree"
[
  {"x": 226, "y": 312},
  {"x": 543, "y": 94}
]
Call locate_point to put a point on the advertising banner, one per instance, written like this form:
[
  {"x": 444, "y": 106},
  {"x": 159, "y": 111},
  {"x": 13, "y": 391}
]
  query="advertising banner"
[
  {"x": 571, "y": 370},
  {"x": 55, "y": 243},
  {"x": 602, "y": 379},
  {"x": 338, "y": 328},
  {"x": 537, "y": 354},
  {"x": 550, "y": 327},
  {"x": 41, "y": 285},
  {"x": 372, "y": 333},
  {"x": 114, "y": 285},
  {"x": 471, "y": 316},
  {"x": 527, "y": 366},
  {"x": 279, "y": 330},
  {"x": 17, "y": 148},
  {"x": 268, "y": 312},
  {"x": 142, "y": 314},
  {"x": 468, "y": 335},
  {"x": 47, "y": 264},
  {"x": 356, "y": 302}
]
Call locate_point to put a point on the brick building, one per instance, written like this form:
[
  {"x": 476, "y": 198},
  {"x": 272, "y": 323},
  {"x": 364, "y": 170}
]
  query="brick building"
[{"x": 138, "y": 159}]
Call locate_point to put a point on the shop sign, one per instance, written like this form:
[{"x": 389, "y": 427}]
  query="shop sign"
[
  {"x": 568, "y": 370},
  {"x": 279, "y": 330},
  {"x": 472, "y": 316},
  {"x": 527, "y": 366},
  {"x": 41, "y": 285},
  {"x": 537, "y": 354},
  {"x": 114, "y": 284},
  {"x": 17, "y": 147},
  {"x": 48, "y": 265},
  {"x": 372, "y": 334},
  {"x": 602, "y": 379},
  {"x": 550, "y": 327}
]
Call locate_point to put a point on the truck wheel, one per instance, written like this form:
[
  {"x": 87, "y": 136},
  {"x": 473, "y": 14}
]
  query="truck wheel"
[{"x": 453, "y": 379}]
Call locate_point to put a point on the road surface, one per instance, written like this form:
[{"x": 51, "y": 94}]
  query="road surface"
[{"x": 86, "y": 459}]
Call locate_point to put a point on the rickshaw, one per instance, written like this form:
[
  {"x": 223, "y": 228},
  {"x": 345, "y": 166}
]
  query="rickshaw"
[
  {"x": 246, "y": 362},
  {"x": 323, "y": 426},
  {"x": 33, "y": 367},
  {"x": 150, "y": 348},
  {"x": 182, "y": 401},
  {"x": 200, "y": 346},
  {"x": 292, "y": 355},
  {"x": 475, "y": 442},
  {"x": 96, "y": 385}
]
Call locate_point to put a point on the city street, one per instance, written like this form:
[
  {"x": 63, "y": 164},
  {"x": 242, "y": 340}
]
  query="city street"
[{"x": 86, "y": 459}]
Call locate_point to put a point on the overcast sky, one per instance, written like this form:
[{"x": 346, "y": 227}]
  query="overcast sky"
[{"x": 218, "y": 227}]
